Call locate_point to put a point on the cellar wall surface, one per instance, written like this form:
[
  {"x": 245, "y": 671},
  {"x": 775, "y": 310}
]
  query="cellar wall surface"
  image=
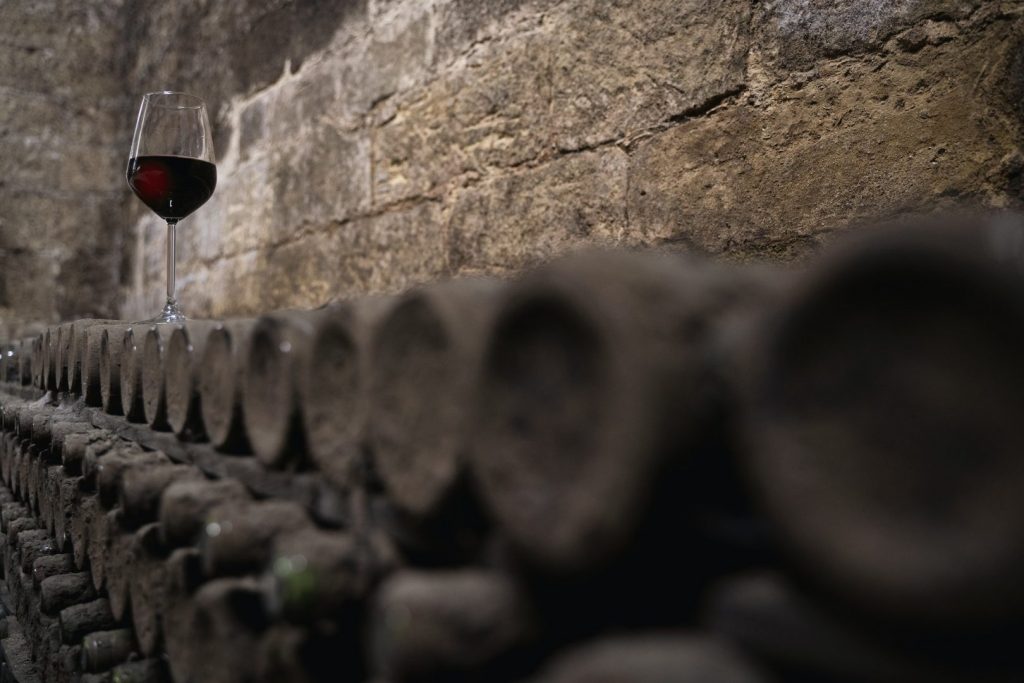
[
  {"x": 62, "y": 129},
  {"x": 417, "y": 140},
  {"x": 367, "y": 145}
]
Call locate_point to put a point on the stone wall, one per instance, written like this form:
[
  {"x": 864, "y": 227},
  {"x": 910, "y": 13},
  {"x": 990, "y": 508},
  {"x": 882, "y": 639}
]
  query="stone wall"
[
  {"x": 367, "y": 145},
  {"x": 383, "y": 143},
  {"x": 62, "y": 146}
]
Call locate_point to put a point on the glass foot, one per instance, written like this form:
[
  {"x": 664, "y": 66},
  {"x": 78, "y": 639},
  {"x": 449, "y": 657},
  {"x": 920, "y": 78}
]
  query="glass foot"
[{"x": 170, "y": 314}]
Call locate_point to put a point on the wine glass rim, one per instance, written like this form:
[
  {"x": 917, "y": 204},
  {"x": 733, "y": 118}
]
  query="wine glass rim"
[{"x": 153, "y": 99}]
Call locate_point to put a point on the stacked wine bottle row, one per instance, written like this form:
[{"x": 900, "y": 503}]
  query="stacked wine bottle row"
[{"x": 630, "y": 466}]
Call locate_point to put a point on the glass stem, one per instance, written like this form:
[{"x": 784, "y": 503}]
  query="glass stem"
[
  {"x": 171, "y": 312},
  {"x": 171, "y": 258}
]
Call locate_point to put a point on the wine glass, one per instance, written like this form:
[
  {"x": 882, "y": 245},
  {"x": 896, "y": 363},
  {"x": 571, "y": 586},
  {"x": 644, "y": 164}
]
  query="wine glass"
[{"x": 171, "y": 168}]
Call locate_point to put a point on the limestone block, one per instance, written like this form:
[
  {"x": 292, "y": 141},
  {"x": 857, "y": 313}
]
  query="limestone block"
[
  {"x": 518, "y": 219},
  {"x": 860, "y": 140},
  {"x": 619, "y": 67}
]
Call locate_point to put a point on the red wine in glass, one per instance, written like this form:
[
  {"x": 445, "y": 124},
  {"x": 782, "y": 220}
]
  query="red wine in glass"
[
  {"x": 173, "y": 187},
  {"x": 171, "y": 168}
]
